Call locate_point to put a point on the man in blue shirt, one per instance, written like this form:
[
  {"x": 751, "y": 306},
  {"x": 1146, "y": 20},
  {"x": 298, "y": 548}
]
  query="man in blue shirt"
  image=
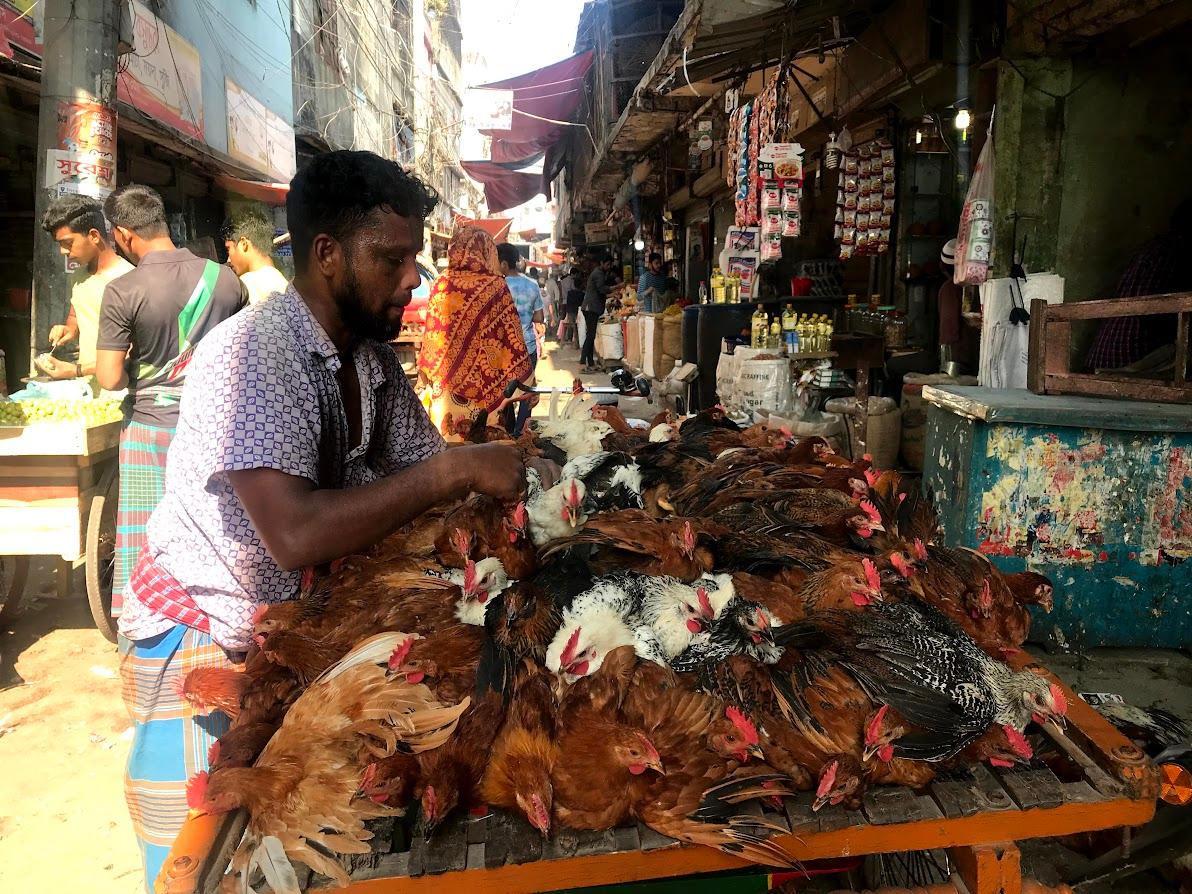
[
  {"x": 652, "y": 285},
  {"x": 527, "y": 298}
]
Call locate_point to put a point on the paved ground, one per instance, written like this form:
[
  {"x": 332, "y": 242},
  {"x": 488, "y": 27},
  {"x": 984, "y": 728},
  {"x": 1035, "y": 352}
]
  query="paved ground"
[{"x": 64, "y": 731}]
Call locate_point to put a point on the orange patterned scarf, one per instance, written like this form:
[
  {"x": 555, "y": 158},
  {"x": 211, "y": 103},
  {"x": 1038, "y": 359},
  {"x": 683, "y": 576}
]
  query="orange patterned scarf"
[{"x": 473, "y": 344}]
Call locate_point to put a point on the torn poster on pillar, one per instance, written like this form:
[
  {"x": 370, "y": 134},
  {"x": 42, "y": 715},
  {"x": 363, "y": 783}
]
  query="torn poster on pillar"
[{"x": 79, "y": 173}]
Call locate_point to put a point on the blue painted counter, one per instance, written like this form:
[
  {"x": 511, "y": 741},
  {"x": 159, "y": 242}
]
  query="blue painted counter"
[{"x": 1095, "y": 494}]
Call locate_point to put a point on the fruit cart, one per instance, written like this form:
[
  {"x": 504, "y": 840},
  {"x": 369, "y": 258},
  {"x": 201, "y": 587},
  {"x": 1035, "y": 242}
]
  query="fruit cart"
[
  {"x": 58, "y": 491},
  {"x": 1090, "y": 778}
]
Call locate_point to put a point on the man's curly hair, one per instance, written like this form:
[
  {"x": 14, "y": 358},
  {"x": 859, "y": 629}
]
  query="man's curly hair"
[{"x": 337, "y": 191}]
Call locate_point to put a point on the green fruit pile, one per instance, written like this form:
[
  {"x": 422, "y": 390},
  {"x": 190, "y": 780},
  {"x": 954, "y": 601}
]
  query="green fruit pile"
[{"x": 32, "y": 412}]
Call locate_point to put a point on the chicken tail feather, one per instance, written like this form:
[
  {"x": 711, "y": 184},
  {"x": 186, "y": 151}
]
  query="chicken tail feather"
[{"x": 279, "y": 872}]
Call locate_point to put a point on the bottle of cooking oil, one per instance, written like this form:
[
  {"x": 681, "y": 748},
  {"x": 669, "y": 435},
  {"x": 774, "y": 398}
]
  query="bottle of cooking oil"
[
  {"x": 717, "y": 286},
  {"x": 790, "y": 335},
  {"x": 774, "y": 342},
  {"x": 759, "y": 331}
]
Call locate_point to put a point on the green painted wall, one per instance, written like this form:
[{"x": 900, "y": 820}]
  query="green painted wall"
[
  {"x": 1127, "y": 161},
  {"x": 1094, "y": 153}
]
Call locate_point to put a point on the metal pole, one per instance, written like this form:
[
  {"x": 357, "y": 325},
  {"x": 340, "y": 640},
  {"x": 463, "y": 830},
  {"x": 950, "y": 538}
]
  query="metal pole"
[{"x": 76, "y": 136}]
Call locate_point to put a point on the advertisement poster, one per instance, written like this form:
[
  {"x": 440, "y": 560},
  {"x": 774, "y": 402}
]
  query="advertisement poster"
[
  {"x": 77, "y": 172},
  {"x": 163, "y": 75},
  {"x": 258, "y": 136}
]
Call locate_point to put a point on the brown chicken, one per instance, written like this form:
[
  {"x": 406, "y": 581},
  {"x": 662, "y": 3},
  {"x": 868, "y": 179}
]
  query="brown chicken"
[
  {"x": 518, "y": 776},
  {"x": 594, "y": 744},
  {"x": 1031, "y": 588},
  {"x": 631, "y": 539},
  {"x": 302, "y": 794},
  {"x": 449, "y": 776},
  {"x": 240, "y": 745},
  {"x": 481, "y": 527},
  {"x": 213, "y": 689}
]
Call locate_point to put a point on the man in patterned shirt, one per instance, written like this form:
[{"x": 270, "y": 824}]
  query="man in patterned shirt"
[{"x": 299, "y": 441}]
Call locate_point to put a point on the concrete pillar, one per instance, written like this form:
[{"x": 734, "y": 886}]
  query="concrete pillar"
[
  {"x": 1028, "y": 133},
  {"x": 76, "y": 136}
]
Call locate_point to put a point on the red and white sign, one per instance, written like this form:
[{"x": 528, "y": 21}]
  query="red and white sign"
[{"x": 164, "y": 75}]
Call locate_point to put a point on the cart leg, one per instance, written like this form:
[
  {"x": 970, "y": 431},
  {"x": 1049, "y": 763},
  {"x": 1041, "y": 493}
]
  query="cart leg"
[
  {"x": 989, "y": 868},
  {"x": 62, "y": 578}
]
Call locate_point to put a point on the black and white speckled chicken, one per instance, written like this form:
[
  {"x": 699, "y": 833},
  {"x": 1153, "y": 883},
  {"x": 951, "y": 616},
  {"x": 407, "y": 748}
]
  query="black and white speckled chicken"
[
  {"x": 611, "y": 481},
  {"x": 915, "y": 659},
  {"x": 743, "y": 628}
]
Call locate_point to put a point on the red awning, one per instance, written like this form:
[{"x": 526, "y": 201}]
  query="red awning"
[
  {"x": 497, "y": 227},
  {"x": 269, "y": 193},
  {"x": 17, "y": 30},
  {"x": 504, "y": 188},
  {"x": 544, "y": 102}
]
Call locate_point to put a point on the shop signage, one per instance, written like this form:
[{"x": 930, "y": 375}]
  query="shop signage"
[
  {"x": 79, "y": 173},
  {"x": 163, "y": 78},
  {"x": 258, "y": 136},
  {"x": 597, "y": 233}
]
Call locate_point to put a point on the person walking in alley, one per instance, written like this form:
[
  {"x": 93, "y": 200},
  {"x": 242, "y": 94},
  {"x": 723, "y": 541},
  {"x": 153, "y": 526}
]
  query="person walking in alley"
[
  {"x": 78, "y": 226},
  {"x": 249, "y": 241},
  {"x": 474, "y": 342},
  {"x": 150, "y": 320},
  {"x": 300, "y": 441},
  {"x": 600, "y": 283},
  {"x": 651, "y": 287},
  {"x": 527, "y": 298}
]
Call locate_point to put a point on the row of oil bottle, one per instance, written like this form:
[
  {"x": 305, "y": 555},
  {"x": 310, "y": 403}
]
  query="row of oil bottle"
[{"x": 793, "y": 332}]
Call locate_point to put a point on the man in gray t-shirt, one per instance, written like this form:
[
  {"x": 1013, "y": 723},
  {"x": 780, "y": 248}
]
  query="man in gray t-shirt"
[{"x": 150, "y": 320}]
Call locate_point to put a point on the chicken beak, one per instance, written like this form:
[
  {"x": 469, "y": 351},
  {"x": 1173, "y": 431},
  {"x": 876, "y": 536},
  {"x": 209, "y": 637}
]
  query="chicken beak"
[
  {"x": 756, "y": 751},
  {"x": 572, "y": 516},
  {"x": 870, "y": 751},
  {"x": 819, "y": 802},
  {"x": 655, "y": 764}
]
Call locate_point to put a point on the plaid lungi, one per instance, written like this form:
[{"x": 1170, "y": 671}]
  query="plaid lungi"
[
  {"x": 170, "y": 741},
  {"x": 142, "y": 483}
]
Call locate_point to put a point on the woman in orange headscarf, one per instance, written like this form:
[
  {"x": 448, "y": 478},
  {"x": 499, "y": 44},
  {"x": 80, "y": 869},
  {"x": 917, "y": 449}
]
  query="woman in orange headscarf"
[{"x": 473, "y": 345}]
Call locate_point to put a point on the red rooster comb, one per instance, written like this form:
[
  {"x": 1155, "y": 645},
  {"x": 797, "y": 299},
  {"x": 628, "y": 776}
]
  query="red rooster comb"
[
  {"x": 258, "y": 613},
  {"x": 1018, "y": 743},
  {"x": 901, "y": 565},
  {"x": 827, "y": 780},
  {"x": 920, "y": 550},
  {"x": 870, "y": 510},
  {"x": 462, "y": 543},
  {"x": 872, "y": 577},
  {"x": 651, "y": 752},
  {"x": 743, "y": 724},
  {"x": 196, "y": 791},
  {"x": 868, "y": 457},
  {"x": 569, "y": 650},
  {"x": 1060, "y": 700},
  {"x": 688, "y": 537},
  {"x": 871, "y": 477},
  {"x": 470, "y": 577},
  {"x": 986, "y": 597},
  {"x": 398, "y": 657},
  {"x": 308, "y": 579},
  {"x": 520, "y": 516},
  {"x": 873, "y": 729},
  {"x": 705, "y": 604},
  {"x": 213, "y": 753}
]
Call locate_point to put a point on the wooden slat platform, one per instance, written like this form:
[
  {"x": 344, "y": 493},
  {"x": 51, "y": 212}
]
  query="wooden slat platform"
[{"x": 1102, "y": 782}]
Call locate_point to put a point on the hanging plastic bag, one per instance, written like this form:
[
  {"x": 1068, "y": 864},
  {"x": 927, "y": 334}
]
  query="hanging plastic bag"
[
  {"x": 974, "y": 241},
  {"x": 1004, "y": 343}
]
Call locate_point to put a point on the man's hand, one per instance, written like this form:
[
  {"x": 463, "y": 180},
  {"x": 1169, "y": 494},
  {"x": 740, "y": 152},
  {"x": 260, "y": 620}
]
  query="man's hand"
[
  {"x": 493, "y": 469},
  {"x": 59, "y": 369},
  {"x": 60, "y": 335}
]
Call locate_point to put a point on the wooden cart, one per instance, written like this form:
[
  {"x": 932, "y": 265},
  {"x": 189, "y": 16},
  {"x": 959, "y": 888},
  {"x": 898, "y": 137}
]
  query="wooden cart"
[
  {"x": 58, "y": 491},
  {"x": 1095, "y": 779}
]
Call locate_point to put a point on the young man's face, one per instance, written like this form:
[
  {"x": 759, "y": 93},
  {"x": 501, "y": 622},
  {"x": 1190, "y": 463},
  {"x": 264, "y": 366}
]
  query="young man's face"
[
  {"x": 377, "y": 274},
  {"x": 238, "y": 255},
  {"x": 655, "y": 265},
  {"x": 82, "y": 248}
]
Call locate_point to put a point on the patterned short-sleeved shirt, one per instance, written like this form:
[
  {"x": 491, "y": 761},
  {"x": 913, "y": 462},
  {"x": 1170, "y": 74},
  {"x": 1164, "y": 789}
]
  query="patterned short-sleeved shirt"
[
  {"x": 262, "y": 393},
  {"x": 527, "y": 298}
]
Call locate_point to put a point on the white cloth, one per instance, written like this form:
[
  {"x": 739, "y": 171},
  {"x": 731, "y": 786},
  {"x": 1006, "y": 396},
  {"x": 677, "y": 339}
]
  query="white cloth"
[{"x": 1004, "y": 344}]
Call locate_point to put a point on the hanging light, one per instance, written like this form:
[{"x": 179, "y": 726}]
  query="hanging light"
[
  {"x": 639, "y": 244},
  {"x": 963, "y": 119},
  {"x": 918, "y": 136}
]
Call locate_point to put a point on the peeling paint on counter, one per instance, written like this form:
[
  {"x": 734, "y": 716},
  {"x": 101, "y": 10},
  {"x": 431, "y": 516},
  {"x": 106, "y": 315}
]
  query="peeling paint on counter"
[{"x": 1106, "y": 513}]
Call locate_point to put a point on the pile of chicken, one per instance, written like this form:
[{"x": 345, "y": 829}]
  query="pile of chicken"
[{"x": 691, "y": 618}]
